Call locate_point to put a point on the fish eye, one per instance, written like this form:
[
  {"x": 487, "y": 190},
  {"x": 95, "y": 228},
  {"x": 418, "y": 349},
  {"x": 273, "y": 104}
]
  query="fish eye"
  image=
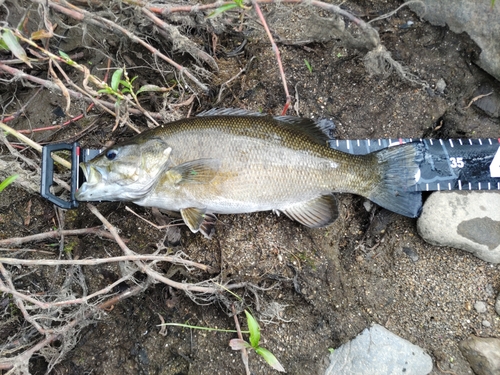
[{"x": 111, "y": 154}]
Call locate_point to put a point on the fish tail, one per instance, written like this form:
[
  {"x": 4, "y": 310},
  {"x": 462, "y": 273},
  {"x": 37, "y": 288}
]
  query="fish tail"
[{"x": 399, "y": 168}]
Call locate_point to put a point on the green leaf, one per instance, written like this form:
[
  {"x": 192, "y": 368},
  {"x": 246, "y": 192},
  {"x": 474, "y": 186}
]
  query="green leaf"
[
  {"x": 222, "y": 9},
  {"x": 149, "y": 88},
  {"x": 106, "y": 90},
  {"x": 254, "y": 329},
  {"x": 13, "y": 45},
  {"x": 116, "y": 78},
  {"x": 64, "y": 55},
  {"x": 9, "y": 180},
  {"x": 270, "y": 358},
  {"x": 308, "y": 65}
]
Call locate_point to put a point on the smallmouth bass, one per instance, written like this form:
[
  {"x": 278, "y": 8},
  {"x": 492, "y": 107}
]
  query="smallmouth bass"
[{"x": 232, "y": 161}]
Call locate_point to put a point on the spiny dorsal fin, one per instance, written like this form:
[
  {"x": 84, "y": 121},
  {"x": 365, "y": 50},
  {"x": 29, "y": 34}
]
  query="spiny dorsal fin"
[
  {"x": 320, "y": 131},
  {"x": 200, "y": 171},
  {"x": 315, "y": 213},
  {"x": 229, "y": 112}
]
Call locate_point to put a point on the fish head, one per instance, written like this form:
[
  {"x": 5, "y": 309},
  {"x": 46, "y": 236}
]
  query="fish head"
[{"x": 124, "y": 172}]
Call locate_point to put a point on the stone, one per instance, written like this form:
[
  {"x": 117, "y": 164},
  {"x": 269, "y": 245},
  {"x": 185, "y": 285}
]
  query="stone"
[
  {"x": 377, "y": 351},
  {"x": 479, "y": 19},
  {"x": 464, "y": 220},
  {"x": 480, "y": 307},
  {"x": 482, "y": 353}
]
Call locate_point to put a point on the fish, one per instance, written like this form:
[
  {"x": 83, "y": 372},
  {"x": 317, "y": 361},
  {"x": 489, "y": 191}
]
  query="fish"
[{"x": 233, "y": 161}]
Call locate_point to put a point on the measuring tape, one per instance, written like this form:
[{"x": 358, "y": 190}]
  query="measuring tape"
[
  {"x": 448, "y": 164},
  {"x": 451, "y": 164}
]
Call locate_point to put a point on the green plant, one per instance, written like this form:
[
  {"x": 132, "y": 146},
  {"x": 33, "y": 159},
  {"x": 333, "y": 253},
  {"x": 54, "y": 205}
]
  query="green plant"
[
  {"x": 9, "y": 180},
  {"x": 238, "y": 344},
  {"x": 9, "y": 42},
  {"x": 226, "y": 7},
  {"x": 308, "y": 65},
  {"x": 254, "y": 338}
]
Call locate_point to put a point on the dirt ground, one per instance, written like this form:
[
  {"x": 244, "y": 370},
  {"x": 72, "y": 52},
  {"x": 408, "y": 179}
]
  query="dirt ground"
[{"x": 314, "y": 289}]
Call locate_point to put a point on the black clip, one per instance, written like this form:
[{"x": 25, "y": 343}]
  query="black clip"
[{"x": 76, "y": 174}]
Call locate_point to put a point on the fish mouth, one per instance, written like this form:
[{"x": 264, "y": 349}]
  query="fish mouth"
[
  {"x": 92, "y": 178},
  {"x": 91, "y": 174}
]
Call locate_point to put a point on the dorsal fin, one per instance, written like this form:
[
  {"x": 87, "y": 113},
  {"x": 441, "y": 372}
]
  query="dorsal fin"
[
  {"x": 229, "y": 112},
  {"x": 320, "y": 131}
]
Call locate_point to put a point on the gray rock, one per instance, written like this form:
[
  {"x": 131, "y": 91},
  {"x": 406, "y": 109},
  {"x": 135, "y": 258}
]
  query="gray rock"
[
  {"x": 483, "y": 354},
  {"x": 465, "y": 220},
  {"x": 412, "y": 254},
  {"x": 480, "y": 307},
  {"x": 488, "y": 100},
  {"x": 497, "y": 304},
  {"x": 377, "y": 351},
  {"x": 476, "y": 18}
]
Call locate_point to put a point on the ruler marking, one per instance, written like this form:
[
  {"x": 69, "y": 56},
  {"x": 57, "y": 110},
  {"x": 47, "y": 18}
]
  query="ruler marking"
[{"x": 432, "y": 181}]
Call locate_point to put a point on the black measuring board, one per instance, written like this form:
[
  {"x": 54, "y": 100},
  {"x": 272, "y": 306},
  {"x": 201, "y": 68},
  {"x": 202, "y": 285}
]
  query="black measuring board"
[{"x": 445, "y": 164}]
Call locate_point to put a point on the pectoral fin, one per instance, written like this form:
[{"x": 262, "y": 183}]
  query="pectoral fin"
[
  {"x": 197, "y": 219},
  {"x": 315, "y": 213},
  {"x": 199, "y": 171}
]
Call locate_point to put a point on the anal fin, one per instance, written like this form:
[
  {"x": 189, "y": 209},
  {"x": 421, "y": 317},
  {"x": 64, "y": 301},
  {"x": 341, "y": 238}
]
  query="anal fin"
[{"x": 314, "y": 213}]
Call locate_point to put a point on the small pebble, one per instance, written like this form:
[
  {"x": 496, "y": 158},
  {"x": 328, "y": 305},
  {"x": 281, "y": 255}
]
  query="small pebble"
[
  {"x": 367, "y": 205},
  {"x": 486, "y": 324},
  {"x": 440, "y": 86},
  {"x": 412, "y": 254},
  {"x": 480, "y": 307}
]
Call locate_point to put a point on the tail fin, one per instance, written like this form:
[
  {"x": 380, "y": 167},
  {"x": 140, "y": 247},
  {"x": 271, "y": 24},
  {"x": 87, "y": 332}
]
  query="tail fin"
[{"x": 399, "y": 166}]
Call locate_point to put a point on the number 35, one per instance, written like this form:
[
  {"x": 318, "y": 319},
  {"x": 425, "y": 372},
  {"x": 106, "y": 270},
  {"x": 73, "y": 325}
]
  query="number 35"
[{"x": 457, "y": 162}]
